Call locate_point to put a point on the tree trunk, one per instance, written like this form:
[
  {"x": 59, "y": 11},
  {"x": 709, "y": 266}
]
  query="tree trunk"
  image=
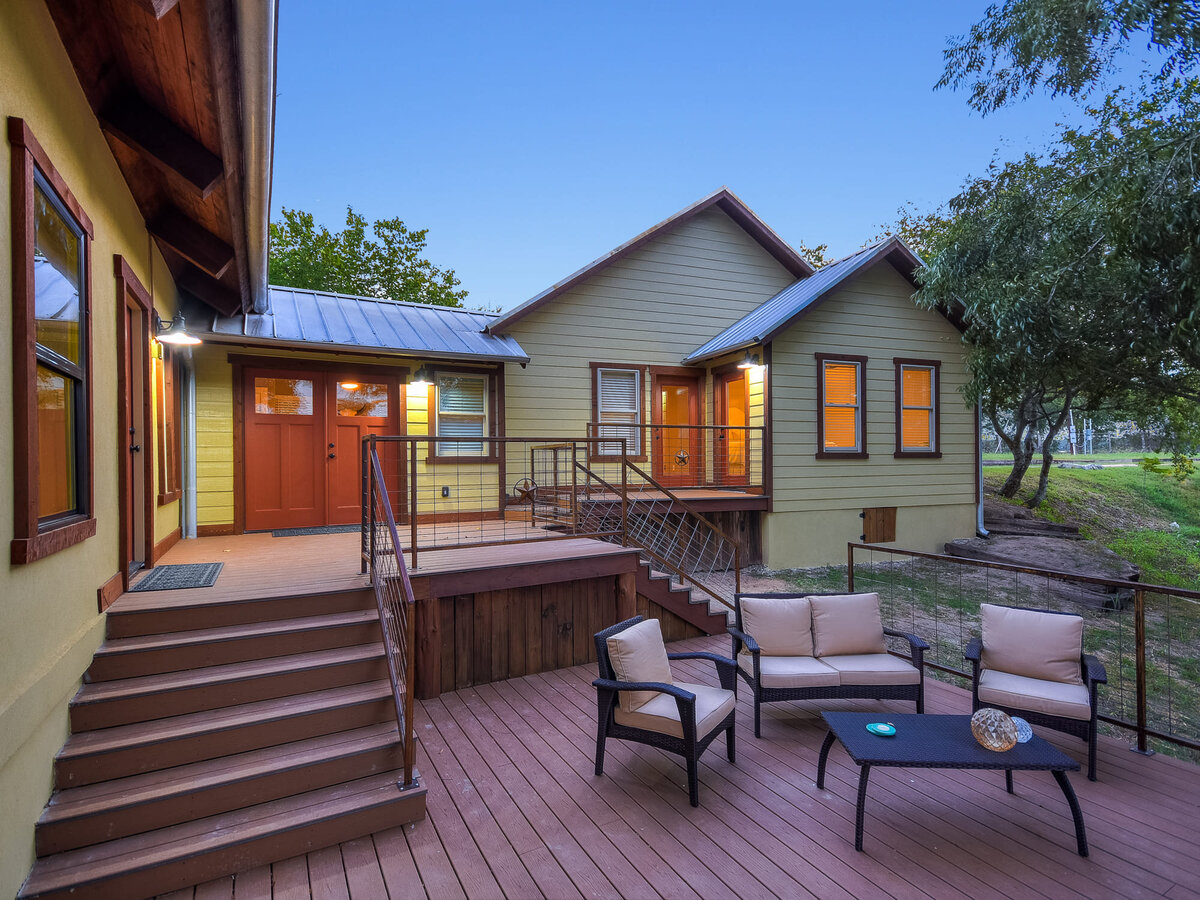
[
  {"x": 1048, "y": 456},
  {"x": 1020, "y": 444}
]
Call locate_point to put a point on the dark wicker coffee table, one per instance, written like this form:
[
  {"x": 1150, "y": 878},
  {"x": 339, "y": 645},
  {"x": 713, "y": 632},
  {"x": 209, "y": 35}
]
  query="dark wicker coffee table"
[{"x": 939, "y": 742}]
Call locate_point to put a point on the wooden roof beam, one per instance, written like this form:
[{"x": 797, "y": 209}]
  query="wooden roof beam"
[
  {"x": 132, "y": 120},
  {"x": 206, "y": 288},
  {"x": 157, "y": 8},
  {"x": 192, "y": 241}
]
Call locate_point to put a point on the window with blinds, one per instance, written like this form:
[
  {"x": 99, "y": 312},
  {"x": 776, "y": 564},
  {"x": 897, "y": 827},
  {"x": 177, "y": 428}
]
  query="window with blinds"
[
  {"x": 917, "y": 403},
  {"x": 841, "y": 390},
  {"x": 619, "y": 410},
  {"x": 462, "y": 412}
]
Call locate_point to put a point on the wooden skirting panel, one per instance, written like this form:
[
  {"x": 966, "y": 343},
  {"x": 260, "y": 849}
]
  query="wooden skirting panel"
[
  {"x": 745, "y": 527},
  {"x": 673, "y": 627},
  {"x": 109, "y": 591},
  {"x": 215, "y": 530},
  {"x": 164, "y": 545}
]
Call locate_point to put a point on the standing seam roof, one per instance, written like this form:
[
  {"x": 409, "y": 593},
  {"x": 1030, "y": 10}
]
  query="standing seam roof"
[{"x": 368, "y": 323}]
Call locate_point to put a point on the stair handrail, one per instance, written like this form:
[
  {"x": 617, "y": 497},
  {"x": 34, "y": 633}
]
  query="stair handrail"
[
  {"x": 692, "y": 512},
  {"x": 395, "y": 603}
]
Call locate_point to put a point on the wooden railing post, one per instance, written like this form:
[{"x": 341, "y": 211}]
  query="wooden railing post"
[
  {"x": 850, "y": 568},
  {"x": 1139, "y": 639}
]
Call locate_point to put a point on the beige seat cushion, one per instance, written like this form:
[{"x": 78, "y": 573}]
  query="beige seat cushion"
[
  {"x": 873, "y": 668},
  {"x": 847, "y": 624},
  {"x": 782, "y": 626},
  {"x": 789, "y": 671},
  {"x": 1051, "y": 697},
  {"x": 639, "y": 654},
  {"x": 1034, "y": 644},
  {"x": 661, "y": 714}
]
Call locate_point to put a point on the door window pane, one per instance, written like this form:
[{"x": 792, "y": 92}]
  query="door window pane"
[
  {"x": 283, "y": 396},
  {"x": 56, "y": 443},
  {"x": 737, "y": 417},
  {"x": 355, "y": 398},
  {"x": 57, "y": 256}
]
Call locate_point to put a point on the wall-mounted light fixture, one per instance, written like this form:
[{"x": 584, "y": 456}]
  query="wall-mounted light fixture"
[
  {"x": 349, "y": 385},
  {"x": 421, "y": 378},
  {"x": 175, "y": 333},
  {"x": 750, "y": 362}
]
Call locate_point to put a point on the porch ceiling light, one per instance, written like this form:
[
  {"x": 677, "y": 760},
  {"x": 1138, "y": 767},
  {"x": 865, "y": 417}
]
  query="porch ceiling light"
[
  {"x": 750, "y": 362},
  {"x": 175, "y": 333},
  {"x": 421, "y": 378}
]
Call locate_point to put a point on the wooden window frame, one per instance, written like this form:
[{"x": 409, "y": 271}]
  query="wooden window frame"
[
  {"x": 168, "y": 452},
  {"x": 33, "y": 540},
  {"x": 643, "y": 381},
  {"x": 935, "y": 366},
  {"x": 861, "y": 362},
  {"x": 493, "y": 416}
]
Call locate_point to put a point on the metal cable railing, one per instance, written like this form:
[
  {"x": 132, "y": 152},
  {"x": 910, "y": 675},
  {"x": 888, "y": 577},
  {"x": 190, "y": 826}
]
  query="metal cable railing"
[
  {"x": 1147, "y": 636},
  {"x": 672, "y": 536},
  {"x": 394, "y": 599}
]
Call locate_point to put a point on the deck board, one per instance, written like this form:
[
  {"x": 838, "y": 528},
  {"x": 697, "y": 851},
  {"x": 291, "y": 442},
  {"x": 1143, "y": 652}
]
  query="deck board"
[{"x": 516, "y": 811}]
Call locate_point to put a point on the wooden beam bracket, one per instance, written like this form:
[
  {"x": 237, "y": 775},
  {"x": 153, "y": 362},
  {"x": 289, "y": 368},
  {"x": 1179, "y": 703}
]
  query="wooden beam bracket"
[
  {"x": 199, "y": 284},
  {"x": 135, "y": 122},
  {"x": 192, "y": 241}
]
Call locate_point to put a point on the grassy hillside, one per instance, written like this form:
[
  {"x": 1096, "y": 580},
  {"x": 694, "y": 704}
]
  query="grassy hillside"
[{"x": 1130, "y": 511}]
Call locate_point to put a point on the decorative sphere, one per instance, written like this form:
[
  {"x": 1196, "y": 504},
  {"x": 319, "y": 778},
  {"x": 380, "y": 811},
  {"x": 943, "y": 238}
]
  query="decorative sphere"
[{"x": 994, "y": 729}]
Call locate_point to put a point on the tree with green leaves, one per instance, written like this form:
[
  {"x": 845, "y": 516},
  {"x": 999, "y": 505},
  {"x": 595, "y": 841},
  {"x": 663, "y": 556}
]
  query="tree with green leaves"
[
  {"x": 389, "y": 263},
  {"x": 1066, "y": 47}
]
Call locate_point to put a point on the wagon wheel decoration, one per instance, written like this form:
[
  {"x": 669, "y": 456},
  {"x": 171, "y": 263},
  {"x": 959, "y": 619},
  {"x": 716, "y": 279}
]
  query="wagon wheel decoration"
[
  {"x": 682, "y": 457},
  {"x": 525, "y": 489}
]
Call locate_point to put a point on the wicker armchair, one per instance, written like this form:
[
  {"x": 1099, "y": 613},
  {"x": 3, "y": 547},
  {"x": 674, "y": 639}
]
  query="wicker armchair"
[
  {"x": 847, "y": 672},
  {"x": 677, "y": 717},
  {"x": 1024, "y": 665}
]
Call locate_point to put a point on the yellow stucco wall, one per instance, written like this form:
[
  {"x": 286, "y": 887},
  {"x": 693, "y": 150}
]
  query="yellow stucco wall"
[
  {"x": 817, "y": 501},
  {"x": 49, "y": 625}
]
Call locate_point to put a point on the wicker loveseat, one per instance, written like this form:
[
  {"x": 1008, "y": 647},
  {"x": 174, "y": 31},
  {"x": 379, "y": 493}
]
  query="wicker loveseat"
[{"x": 821, "y": 646}]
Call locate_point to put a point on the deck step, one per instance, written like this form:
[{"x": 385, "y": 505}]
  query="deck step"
[
  {"x": 659, "y": 587},
  {"x": 135, "y": 615},
  {"x": 146, "y": 697},
  {"x": 94, "y": 756},
  {"x": 154, "y": 654},
  {"x": 79, "y": 817},
  {"x": 193, "y": 852}
]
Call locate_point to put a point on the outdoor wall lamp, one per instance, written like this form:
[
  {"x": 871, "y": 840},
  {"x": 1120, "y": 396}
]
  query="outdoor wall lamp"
[
  {"x": 750, "y": 362},
  {"x": 421, "y": 378},
  {"x": 175, "y": 333}
]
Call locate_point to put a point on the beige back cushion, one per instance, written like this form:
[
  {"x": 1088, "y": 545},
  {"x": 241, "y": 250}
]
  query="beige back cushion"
[
  {"x": 847, "y": 624},
  {"x": 1033, "y": 644},
  {"x": 638, "y": 654},
  {"x": 782, "y": 626}
]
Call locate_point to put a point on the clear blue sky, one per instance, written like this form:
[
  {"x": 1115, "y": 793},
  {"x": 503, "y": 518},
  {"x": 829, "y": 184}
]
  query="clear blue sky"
[{"x": 531, "y": 138}]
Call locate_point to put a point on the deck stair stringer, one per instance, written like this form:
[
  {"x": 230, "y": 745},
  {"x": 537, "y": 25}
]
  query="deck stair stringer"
[{"x": 680, "y": 600}]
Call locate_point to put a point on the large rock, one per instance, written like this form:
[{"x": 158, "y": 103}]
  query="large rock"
[{"x": 1058, "y": 554}]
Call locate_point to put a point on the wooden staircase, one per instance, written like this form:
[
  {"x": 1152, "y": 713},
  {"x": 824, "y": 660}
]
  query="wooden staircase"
[
  {"x": 670, "y": 595},
  {"x": 209, "y": 738}
]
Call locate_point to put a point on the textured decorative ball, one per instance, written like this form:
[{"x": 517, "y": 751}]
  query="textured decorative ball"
[{"x": 994, "y": 729}]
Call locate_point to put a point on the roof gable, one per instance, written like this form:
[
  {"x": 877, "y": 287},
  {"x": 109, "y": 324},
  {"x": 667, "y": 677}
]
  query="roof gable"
[
  {"x": 723, "y": 199},
  {"x": 795, "y": 300}
]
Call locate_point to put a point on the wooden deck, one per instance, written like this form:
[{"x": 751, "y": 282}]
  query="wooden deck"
[
  {"x": 515, "y": 811},
  {"x": 259, "y": 565}
]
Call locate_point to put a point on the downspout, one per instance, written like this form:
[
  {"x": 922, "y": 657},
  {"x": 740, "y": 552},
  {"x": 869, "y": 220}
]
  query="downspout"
[
  {"x": 188, "y": 522},
  {"x": 979, "y": 529},
  {"x": 257, "y": 23}
]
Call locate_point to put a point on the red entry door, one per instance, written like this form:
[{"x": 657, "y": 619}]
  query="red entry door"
[
  {"x": 677, "y": 456},
  {"x": 733, "y": 437},
  {"x": 303, "y": 445}
]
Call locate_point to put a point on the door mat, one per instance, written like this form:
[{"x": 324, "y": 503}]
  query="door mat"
[
  {"x": 173, "y": 578},
  {"x": 319, "y": 529}
]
